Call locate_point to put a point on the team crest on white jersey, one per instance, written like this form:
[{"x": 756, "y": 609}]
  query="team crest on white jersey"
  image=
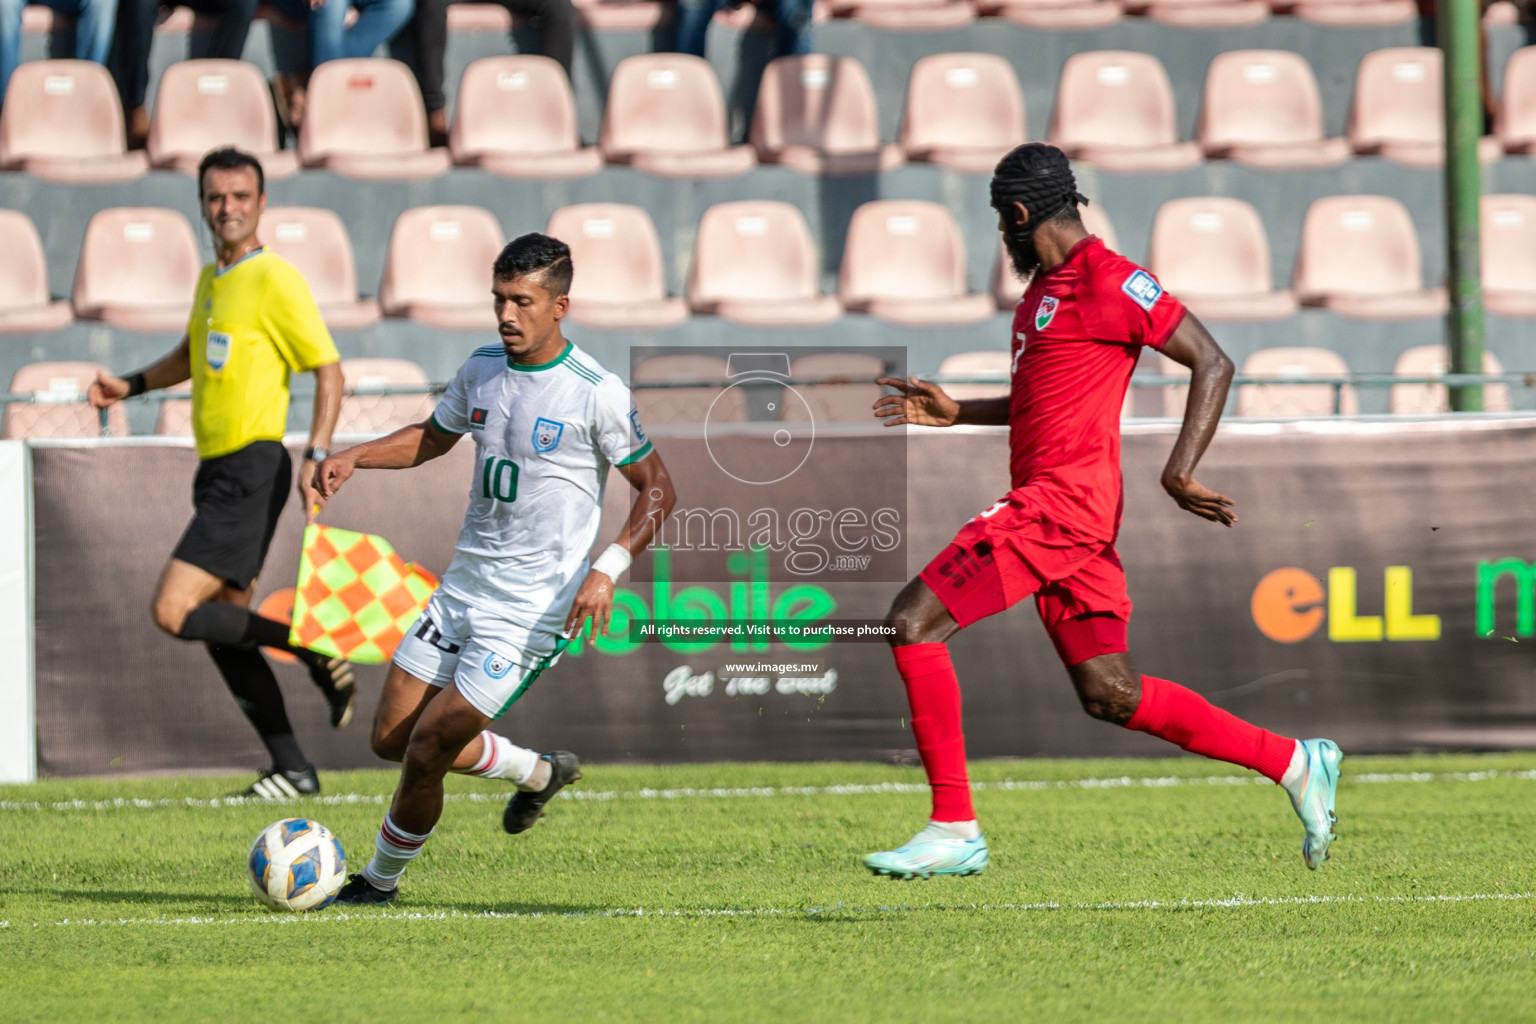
[
  {"x": 546, "y": 434},
  {"x": 1046, "y": 312}
]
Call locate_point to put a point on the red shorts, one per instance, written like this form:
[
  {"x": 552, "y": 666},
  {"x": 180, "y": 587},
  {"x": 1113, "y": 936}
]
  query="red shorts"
[{"x": 1011, "y": 551}]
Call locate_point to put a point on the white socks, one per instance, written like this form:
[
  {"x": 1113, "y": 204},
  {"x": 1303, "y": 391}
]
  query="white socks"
[
  {"x": 958, "y": 829},
  {"x": 503, "y": 759},
  {"x": 392, "y": 851},
  {"x": 1295, "y": 772}
]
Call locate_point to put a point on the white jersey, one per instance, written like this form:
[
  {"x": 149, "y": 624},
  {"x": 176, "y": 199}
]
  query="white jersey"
[{"x": 544, "y": 438}]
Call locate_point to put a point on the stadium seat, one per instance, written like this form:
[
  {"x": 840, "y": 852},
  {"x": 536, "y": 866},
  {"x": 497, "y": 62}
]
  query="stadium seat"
[
  {"x": 1509, "y": 254},
  {"x": 379, "y": 414},
  {"x": 316, "y": 242},
  {"x": 25, "y": 303},
  {"x": 997, "y": 364},
  {"x": 904, "y": 262},
  {"x": 1007, "y": 289},
  {"x": 1516, "y": 121},
  {"x": 1350, "y": 13},
  {"x": 619, "y": 15},
  {"x": 438, "y": 270},
  {"x": 1398, "y": 110},
  {"x": 1202, "y": 13},
  {"x": 621, "y": 280},
  {"x": 1056, "y": 14},
  {"x": 138, "y": 269},
  {"x": 964, "y": 111},
  {"x": 1115, "y": 109},
  {"x": 1429, "y": 399},
  {"x": 907, "y": 15},
  {"x": 666, "y": 115},
  {"x": 1214, "y": 255},
  {"x": 59, "y": 408},
  {"x": 1359, "y": 256},
  {"x": 1295, "y": 399},
  {"x": 516, "y": 116},
  {"x": 849, "y": 394},
  {"x": 174, "y": 418},
  {"x": 205, "y": 104},
  {"x": 1262, "y": 108},
  {"x": 363, "y": 118},
  {"x": 754, "y": 263},
  {"x": 62, "y": 121},
  {"x": 817, "y": 115},
  {"x": 710, "y": 401}
]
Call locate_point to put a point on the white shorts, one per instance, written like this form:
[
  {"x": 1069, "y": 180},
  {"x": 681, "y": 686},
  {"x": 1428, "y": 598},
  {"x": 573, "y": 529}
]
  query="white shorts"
[{"x": 491, "y": 661}]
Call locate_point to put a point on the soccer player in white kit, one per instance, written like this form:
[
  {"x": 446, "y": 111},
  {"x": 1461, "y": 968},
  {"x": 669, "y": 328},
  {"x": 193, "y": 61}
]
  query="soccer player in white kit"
[{"x": 547, "y": 423}]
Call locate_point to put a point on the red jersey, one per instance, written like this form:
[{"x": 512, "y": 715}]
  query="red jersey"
[{"x": 1077, "y": 334}]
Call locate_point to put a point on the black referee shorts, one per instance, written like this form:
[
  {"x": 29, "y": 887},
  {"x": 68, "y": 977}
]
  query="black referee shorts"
[{"x": 238, "y": 498}]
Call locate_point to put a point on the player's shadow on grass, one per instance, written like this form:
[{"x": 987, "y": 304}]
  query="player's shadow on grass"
[{"x": 207, "y": 902}]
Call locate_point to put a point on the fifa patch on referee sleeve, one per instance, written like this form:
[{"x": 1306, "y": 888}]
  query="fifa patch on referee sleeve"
[{"x": 1143, "y": 289}]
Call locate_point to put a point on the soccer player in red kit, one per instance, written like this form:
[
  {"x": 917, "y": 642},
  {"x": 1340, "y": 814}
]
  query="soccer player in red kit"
[{"x": 1077, "y": 334}]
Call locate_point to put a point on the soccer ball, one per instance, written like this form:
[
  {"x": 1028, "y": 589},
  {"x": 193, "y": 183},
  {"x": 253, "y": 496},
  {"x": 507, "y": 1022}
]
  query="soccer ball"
[{"x": 296, "y": 864}]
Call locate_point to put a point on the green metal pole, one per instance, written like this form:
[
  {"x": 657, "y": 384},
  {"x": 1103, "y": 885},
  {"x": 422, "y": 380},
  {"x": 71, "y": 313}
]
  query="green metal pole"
[{"x": 1460, "y": 29}]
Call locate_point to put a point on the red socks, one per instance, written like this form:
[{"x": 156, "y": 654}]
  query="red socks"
[
  {"x": 1178, "y": 715},
  {"x": 933, "y": 691}
]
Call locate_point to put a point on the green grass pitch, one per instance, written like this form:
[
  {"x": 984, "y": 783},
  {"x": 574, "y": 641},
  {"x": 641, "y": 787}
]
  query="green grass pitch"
[{"x": 1118, "y": 891}]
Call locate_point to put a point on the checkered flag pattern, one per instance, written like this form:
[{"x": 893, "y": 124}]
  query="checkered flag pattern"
[{"x": 355, "y": 597}]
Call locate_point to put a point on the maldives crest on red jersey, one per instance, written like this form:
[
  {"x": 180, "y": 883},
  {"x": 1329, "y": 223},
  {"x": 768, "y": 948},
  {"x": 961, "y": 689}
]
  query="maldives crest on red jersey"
[{"x": 1045, "y": 312}]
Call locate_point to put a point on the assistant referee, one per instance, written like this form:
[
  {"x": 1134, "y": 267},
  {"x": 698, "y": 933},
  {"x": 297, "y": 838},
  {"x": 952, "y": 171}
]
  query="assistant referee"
[{"x": 253, "y": 324}]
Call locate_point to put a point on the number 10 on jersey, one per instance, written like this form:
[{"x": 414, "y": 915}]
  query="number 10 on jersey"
[{"x": 499, "y": 479}]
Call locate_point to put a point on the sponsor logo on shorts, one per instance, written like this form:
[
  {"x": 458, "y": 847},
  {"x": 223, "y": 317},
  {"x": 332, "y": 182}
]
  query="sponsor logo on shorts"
[
  {"x": 1143, "y": 289},
  {"x": 546, "y": 434},
  {"x": 496, "y": 666},
  {"x": 1046, "y": 312},
  {"x": 966, "y": 564},
  {"x": 477, "y": 418}
]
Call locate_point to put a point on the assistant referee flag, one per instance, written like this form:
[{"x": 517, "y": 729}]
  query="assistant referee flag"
[{"x": 355, "y": 597}]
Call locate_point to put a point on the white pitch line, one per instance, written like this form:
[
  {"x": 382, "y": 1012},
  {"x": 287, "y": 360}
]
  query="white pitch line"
[
  {"x": 687, "y": 793},
  {"x": 1237, "y": 901}
]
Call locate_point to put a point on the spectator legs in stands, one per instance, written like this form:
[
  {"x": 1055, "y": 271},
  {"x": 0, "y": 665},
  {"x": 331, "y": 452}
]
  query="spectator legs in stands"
[
  {"x": 421, "y": 45},
  {"x": 94, "y": 22},
  {"x": 377, "y": 23},
  {"x": 792, "y": 37}
]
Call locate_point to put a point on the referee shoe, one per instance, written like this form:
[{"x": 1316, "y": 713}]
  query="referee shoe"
[
  {"x": 280, "y": 785},
  {"x": 525, "y": 808}
]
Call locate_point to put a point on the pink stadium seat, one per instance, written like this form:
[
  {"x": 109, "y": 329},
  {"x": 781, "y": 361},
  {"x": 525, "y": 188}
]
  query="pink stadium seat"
[
  {"x": 1262, "y": 108},
  {"x": 205, "y": 104},
  {"x": 619, "y": 15},
  {"x": 1398, "y": 111},
  {"x": 907, "y": 15},
  {"x": 904, "y": 262},
  {"x": 1056, "y": 14},
  {"x": 60, "y": 408},
  {"x": 1214, "y": 255},
  {"x": 1007, "y": 289},
  {"x": 817, "y": 115},
  {"x": 849, "y": 394},
  {"x": 438, "y": 270},
  {"x": 1516, "y": 122},
  {"x": 1203, "y": 13},
  {"x": 1295, "y": 399},
  {"x": 1509, "y": 254},
  {"x": 174, "y": 418},
  {"x": 754, "y": 262},
  {"x": 666, "y": 115},
  {"x": 62, "y": 121},
  {"x": 138, "y": 269},
  {"x": 363, "y": 118},
  {"x": 620, "y": 278},
  {"x": 1429, "y": 399},
  {"x": 1350, "y": 13},
  {"x": 710, "y": 401},
  {"x": 25, "y": 303},
  {"x": 997, "y": 364},
  {"x": 315, "y": 241},
  {"x": 379, "y": 414},
  {"x": 516, "y": 116},
  {"x": 1359, "y": 256},
  {"x": 1114, "y": 108},
  {"x": 964, "y": 111},
  {"x": 479, "y": 17}
]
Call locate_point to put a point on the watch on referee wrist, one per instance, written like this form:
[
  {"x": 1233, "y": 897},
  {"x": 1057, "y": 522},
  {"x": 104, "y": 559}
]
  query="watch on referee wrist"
[{"x": 314, "y": 453}]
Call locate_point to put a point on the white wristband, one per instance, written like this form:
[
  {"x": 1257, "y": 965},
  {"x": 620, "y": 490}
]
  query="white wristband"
[{"x": 613, "y": 561}]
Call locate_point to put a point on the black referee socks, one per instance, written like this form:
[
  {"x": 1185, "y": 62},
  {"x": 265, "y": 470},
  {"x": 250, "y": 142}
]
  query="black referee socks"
[{"x": 219, "y": 622}]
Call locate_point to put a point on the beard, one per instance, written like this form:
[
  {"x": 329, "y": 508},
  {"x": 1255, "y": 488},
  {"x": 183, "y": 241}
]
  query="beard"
[{"x": 1020, "y": 244}]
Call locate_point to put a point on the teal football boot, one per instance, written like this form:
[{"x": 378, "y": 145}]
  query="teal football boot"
[
  {"x": 1314, "y": 796},
  {"x": 933, "y": 851}
]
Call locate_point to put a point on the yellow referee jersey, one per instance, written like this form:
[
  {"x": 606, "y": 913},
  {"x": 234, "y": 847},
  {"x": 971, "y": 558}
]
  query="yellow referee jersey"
[{"x": 253, "y": 324}]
